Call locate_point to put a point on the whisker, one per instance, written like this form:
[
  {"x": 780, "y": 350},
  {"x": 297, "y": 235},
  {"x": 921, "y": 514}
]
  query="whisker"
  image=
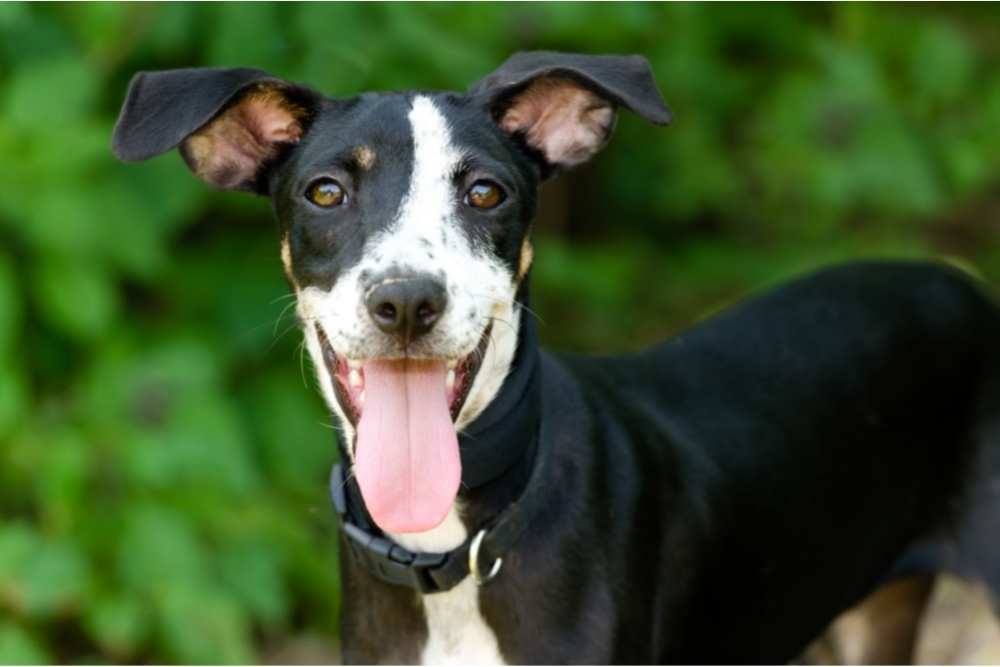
[
  {"x": 302, "y": 362},
  {"x": 348, "y": 477},
  {"x": 503, "y": 322},
  {"x": 281, "y": 315},
  {"x": 538, "y": 318},
  {"x": 280, "y": 336}
]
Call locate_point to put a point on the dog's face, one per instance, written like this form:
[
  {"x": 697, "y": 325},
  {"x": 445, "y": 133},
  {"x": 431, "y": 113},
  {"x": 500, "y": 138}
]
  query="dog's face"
[
  {"x": 404, "y": 222},
  {"x": 404, "y": 231}
]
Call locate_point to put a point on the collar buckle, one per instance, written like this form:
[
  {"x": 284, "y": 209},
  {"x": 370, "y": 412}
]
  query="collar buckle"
[
  {"x": 474, "y": 546},
  {"x": 380, "y": 556}
]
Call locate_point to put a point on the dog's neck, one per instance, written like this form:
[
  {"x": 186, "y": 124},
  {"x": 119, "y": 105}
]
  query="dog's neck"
[{"x": 497, "y": 448}]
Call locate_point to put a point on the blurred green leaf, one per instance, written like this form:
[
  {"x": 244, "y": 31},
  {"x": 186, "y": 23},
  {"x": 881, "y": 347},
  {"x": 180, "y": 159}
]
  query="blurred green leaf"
[
  {"x": 78, "y": 298},
  {"x": 13, "y": 396},
  {"x": 91, "y": 23},
  {"x": 252, "y": 571},
  {"x": 296, "y": 445},
  {"x": 61, "y": 493},
  {"x": 205, "y": 440},
  {"x": 941, "y": 62},
  {"x": 118, "y": 623},
  {"x": 48, "y": 93},
  {"x": 10, "y": 307},
  {"x": 17, "y": 647},
  {"x": 159, "y": 551},
  {"x": 29, "y": 36},
  {"x": 18, "y": 544},
  {"x": 54, "y": 579},
  {"x": 199, "y": 626},
  {"x": 247, "y": 33}
]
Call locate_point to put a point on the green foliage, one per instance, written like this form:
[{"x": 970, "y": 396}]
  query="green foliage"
[{"x": 163, "y": 453}]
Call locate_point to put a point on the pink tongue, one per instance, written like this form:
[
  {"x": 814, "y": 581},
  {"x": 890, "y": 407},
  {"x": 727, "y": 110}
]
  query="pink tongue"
[{"x": 406, "y": 459}]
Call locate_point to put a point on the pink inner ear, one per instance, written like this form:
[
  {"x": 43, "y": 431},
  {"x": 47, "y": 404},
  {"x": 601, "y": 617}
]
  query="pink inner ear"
[
  {"x": 272, "y": 122},
  {"x": 560, "y": 118},
  {"x": 230, "y": 150}
]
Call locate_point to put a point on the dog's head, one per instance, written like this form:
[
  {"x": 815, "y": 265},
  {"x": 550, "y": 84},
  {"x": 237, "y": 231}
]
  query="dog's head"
[{"x": 404, "y": 222}]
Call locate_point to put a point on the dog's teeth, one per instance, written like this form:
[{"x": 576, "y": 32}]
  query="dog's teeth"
[
  {"x": 354, "y": 364},
  {"x": 354, "y": 377},
  {"x": 449, "y": 381},
  {"x": 452, "y": 364}
]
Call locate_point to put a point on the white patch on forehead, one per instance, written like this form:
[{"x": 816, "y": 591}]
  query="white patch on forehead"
[{"x": 434, "y": 162}]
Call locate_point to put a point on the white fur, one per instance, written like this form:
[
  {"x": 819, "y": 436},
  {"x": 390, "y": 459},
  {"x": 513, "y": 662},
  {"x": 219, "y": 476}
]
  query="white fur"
[
  {"x": 447, "y": 535},
  {"x": 478, "y": 283},
  {"x": 458, "y": 635}
]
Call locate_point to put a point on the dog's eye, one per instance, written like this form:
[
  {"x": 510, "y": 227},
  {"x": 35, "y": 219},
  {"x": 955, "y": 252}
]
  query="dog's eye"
[
  {"x": 326, "y": 193},
  {"x": 484, "y": 195}
]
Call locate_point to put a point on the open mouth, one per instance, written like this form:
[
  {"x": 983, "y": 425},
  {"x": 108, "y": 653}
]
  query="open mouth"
[
  {"x": 406, "y": 452},
  {"x": 349, "y": 375}
]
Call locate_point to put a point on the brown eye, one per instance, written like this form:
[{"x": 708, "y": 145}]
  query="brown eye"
[
  {"x": 484, "y": 195},
  {"x": 326, "y": 193}
]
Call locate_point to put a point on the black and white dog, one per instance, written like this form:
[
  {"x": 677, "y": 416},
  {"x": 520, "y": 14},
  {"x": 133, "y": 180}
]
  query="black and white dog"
[{"x": 718, "y": 498}]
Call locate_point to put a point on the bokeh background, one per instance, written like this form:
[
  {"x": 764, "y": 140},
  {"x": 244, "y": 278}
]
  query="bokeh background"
[{"x": 163, "y": 452}]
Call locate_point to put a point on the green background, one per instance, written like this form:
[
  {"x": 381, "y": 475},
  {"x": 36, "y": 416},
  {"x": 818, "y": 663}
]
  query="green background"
[{"x": 163, "y": 451}]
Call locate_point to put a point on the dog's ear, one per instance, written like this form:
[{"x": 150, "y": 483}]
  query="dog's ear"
[
  {"x": 228, "y": 123},
  {"x": 563, "y": 105}
]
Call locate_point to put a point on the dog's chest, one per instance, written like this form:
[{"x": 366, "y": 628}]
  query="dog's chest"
[
  {"x": 457, "y": 633},
  {"x": 456, "y": 630}
]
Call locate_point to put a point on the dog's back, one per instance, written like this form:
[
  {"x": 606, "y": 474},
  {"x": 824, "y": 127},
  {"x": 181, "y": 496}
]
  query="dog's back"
[{"x": 835, "y": 420}]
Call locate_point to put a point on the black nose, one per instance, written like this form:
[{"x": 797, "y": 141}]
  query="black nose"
[{"x": 407, "y": 307}]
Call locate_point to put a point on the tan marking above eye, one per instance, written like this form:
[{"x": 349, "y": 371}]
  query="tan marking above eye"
[
  {"x": 326, "y": 193},
  {"x": 286, "y": 261},
  {"x": 484, "y": 195},
  {"x": 527, "y": 255},
  {"x": 364, "y": 156}
]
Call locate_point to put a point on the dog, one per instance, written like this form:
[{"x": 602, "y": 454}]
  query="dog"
[{"x": 720, "y": 497}]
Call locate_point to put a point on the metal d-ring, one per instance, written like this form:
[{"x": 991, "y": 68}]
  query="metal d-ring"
[{"x": 477, "y": 541}]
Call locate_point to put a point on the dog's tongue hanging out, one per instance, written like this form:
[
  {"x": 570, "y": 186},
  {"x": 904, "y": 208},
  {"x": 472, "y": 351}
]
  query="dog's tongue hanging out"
[{"x": 406, "y": 459}]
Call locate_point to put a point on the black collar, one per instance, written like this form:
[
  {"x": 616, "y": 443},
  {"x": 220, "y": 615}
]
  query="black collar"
[{"x": 505, "y": 433}]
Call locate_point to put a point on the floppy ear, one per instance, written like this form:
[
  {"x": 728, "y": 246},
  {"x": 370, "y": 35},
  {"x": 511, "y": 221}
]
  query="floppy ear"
[
  {"x": 228, "y": 123},
  {"x": 563, "y": 105}
]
